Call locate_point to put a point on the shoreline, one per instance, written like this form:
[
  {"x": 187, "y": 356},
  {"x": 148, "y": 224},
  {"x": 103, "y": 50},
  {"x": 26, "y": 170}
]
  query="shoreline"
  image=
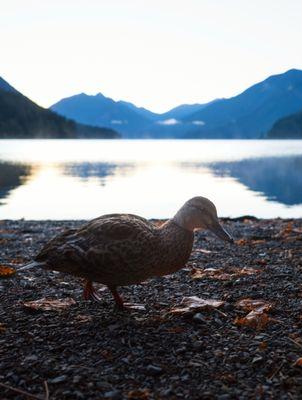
[{"x": 89, "y": 350}]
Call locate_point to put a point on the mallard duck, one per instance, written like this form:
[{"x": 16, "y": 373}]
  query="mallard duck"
[{"x": 125, "y": 249}]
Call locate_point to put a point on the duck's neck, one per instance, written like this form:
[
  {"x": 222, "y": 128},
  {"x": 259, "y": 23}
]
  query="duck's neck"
[
  {"x": 176, "y": 245},
  {"x": 184, "y": 220}
]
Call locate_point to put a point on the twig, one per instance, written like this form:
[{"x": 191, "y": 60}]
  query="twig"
[
  {"x": 296, "y": 343},
  {"x": 276, "y": 371},
  {"x": 221, "y": 313},
  {"x": 32, "y": 396},
  {"x": 46, "y": 390}
]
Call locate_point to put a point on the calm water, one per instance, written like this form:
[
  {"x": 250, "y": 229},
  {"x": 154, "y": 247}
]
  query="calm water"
[{"x": 66, "y": 179}]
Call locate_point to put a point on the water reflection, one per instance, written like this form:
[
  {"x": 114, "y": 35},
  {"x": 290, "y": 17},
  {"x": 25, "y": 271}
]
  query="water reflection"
[
  {"x": 12, "y": 176},
  {"x": 83, "y": 179},
  {"x": 277, "y": 178},
  {"x": 100, "y": 170}
]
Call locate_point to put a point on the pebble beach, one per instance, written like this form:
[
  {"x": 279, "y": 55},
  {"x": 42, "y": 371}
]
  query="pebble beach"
[{"x": 170, "y": 350}]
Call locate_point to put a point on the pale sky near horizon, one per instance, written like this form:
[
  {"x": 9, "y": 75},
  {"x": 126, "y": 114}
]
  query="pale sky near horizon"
[{"x": 154, "y": 53}]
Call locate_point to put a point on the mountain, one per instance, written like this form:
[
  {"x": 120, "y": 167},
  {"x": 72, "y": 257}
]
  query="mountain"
[
  {"x": 129, "y": 119},
  {"x": 151, "y": 116},
  {"x": 99, "y": 110},
  {"x": 287, "y": 128},
  {"x": 184, "y": 110},
  {"x": 6, "y": 86},
  {"x": 251, "y": 113},
  {"x": 22, "y": 118}
]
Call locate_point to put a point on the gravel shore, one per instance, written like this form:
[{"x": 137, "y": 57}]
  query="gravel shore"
[{"x": 92, "y": 351}]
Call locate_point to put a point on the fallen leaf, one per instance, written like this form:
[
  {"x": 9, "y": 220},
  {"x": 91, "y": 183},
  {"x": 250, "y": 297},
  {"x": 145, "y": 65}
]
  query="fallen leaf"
[
  {"x": 288, "y": 229},
  {"x": 49, "y": 304},
  {"x": 256, "y": 319},
  {"x": 229, "y": 378},
  {"x": 258, "y": 241},
  {"x": 298, "y": 362},
  {"x": 191, "y": 304},
  {"x": 139, "y": 394},
  {"x": 2, "y": 328},
  {"x": 6, "y": 272},
  {"x": 18, "y": 261},
  {"x": 83, "y": 318},
  {"x": 241, "y": 242},
  {"x": 221, "y": 275},
  {"x": 253, "y": 304},
  {"x": 263, "y": 345}
]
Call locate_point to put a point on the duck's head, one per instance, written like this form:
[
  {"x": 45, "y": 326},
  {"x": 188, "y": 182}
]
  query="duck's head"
[{"x": 200, "y": 213}]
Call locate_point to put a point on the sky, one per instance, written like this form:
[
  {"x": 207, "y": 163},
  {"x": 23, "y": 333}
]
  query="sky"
[{"x": 155, "y": 53}]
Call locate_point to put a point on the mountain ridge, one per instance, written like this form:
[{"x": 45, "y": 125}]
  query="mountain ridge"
[
  {"x": 22, "y": 118},
  {"x": 249, "y": 114}
]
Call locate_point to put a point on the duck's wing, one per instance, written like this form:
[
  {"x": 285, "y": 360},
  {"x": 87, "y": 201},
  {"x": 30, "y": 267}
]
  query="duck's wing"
[
  {"x": 103, "y": 248},
  {"x": 120, "y": 248}
]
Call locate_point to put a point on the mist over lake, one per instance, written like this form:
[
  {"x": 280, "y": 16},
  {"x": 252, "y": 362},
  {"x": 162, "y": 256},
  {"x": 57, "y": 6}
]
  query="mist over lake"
[{"x": 82, "y": 179}]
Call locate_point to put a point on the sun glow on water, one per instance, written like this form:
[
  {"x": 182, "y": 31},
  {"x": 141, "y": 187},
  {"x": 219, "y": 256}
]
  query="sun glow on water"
[{"x": 86, "y": 178}]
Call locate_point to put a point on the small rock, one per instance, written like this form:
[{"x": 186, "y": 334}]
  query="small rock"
[
  {"x": 33, "y": 357},
  {"x": 113, "y": 394},
  {"x": 198, "y": 345},
  {"x": 59, "y": 379},
  {"x": 153, "y": 370},
  {"x": 198, "y": 317}
]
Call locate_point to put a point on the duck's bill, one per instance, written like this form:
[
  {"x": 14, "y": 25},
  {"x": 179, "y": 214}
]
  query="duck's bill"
[{"x": 221, "y": 232}]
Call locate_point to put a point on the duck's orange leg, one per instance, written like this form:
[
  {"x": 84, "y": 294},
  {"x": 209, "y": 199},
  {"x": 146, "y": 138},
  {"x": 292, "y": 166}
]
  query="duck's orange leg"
[
  {"x": 117, "y": 298},
  {"x": 89, "y": 292},
  {"x": 120, "y": 303}
]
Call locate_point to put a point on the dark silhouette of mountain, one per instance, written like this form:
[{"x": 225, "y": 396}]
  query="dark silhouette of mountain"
[
  {"x": 287, "y": 128},
  {"x": 252, "y": 113},
  {"x": 6, "y": 86},
  {"x": 277, "y": 178},
  {"x": 22, "y": 118}
]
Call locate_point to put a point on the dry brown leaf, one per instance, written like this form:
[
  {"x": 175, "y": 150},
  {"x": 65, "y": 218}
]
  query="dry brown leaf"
[
  {"x": 18, "y": 261},
  {"x": 288, "y": 229},
  {"x": 263, "y": 345},
  {"x": 241, "y": 242},
  {"x": 139, "y": 394},
  {"x": 191, "y": 304},
  {"x": 253, "y": 305},
  {"x": 219, "y": 274},
  {"x": 6, "y": 272},
  {"x": 49, "y": 304},
  {"x": 256, "y": 319},
  {"x": 83, "y": 318},
  {"x": 298, "y": 362},
  {"x": 258, "y": 241},
  {"x": 2, "y": 328}
]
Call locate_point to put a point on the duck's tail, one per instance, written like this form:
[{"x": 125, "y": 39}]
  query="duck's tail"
[{"x": 32, "y": 264}]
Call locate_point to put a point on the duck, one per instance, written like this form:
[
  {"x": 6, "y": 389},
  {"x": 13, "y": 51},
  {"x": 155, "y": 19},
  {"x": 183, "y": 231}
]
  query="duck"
[{"x": 126, "y": 249}]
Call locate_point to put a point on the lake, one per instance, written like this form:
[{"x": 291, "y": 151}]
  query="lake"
[{"x": 82, "y": 179}]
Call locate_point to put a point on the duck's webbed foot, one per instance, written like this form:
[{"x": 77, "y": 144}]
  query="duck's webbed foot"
[
  {"x": 124, "y": 306},
  {"x": 89, "y": 292}
]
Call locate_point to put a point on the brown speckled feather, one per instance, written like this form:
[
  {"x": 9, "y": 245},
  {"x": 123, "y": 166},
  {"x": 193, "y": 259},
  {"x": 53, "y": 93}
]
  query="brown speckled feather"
[{"x": 119, "y": 249}]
